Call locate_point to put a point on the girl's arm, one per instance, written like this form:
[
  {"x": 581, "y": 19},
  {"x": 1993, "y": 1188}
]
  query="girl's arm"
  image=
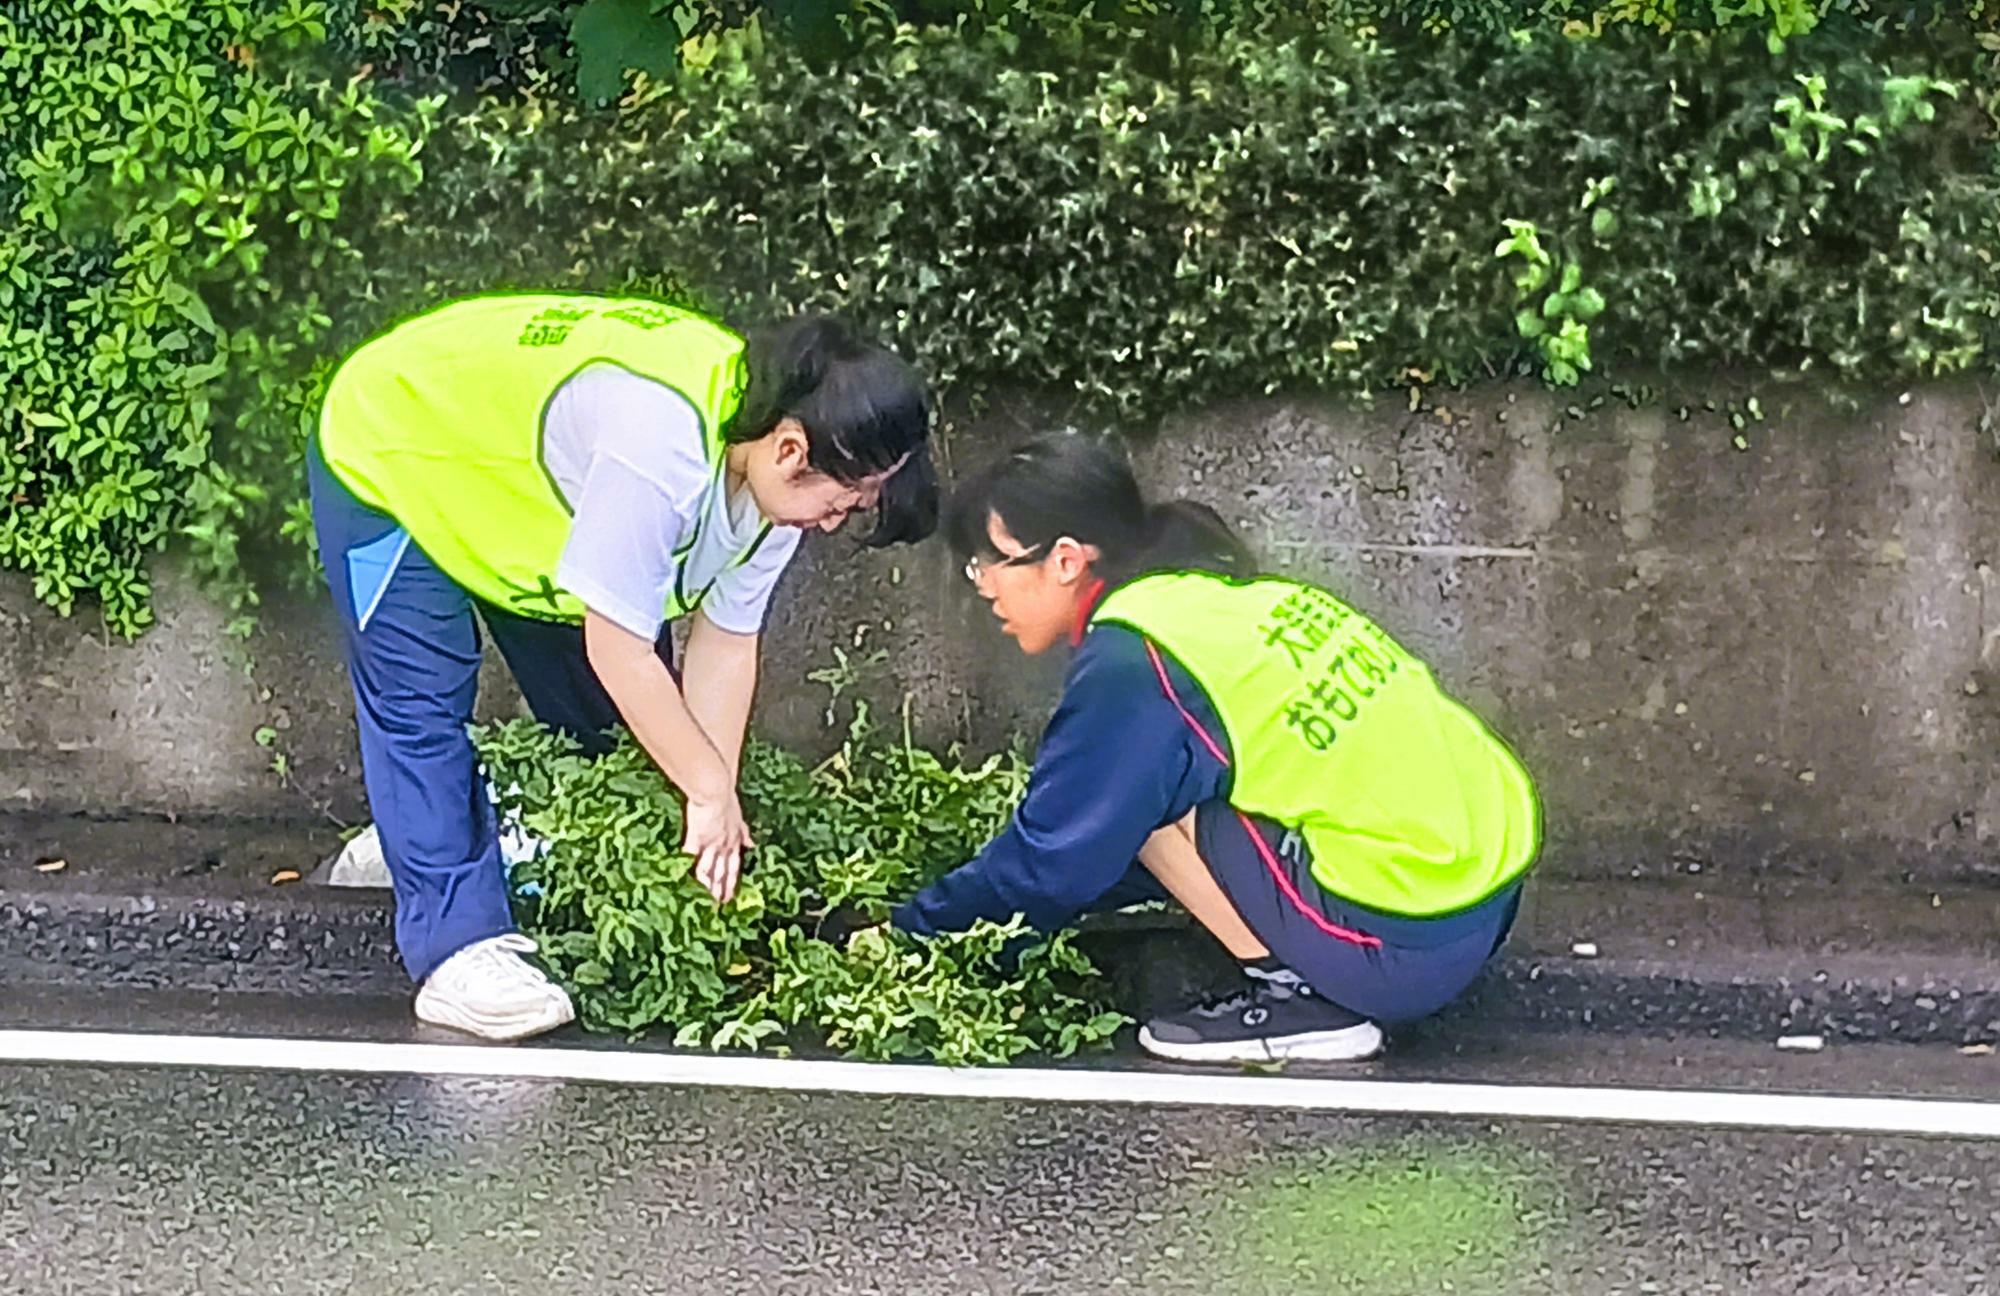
[
  {"x": 719, "y": 679},
  {"x": 1116, "y": 763},
  {"x": 659, "y": 717}
]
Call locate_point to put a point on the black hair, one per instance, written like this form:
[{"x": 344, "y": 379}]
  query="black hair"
[
  {"x": 1079, "y": 487},
  {"x": 863, "y": 410}
]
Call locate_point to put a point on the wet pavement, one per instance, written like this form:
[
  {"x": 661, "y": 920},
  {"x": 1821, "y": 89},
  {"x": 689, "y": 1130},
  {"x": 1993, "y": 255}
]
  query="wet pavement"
[{"x": 144, "y": 1180}]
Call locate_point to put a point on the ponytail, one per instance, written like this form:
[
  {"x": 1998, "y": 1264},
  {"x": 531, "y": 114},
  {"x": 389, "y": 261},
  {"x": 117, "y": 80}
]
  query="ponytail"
[{"x": 1185, "y": 535}]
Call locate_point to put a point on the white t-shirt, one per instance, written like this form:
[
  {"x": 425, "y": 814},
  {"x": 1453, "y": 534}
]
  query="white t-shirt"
[{"x": 626, "y": 452}]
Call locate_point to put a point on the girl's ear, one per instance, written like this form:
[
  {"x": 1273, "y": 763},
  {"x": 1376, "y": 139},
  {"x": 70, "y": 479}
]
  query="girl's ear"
[
  {"x": 1071, "y": 559},
  {"x": 790, "y": 450}
]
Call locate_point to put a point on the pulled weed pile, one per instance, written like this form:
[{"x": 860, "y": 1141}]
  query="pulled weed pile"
[{"x": 641, "y": 945}]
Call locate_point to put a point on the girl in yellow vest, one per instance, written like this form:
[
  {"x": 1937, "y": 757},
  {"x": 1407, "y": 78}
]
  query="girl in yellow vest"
[
  {"x": 1252, "y": 746},
  {"x": 579, "y": 472}
]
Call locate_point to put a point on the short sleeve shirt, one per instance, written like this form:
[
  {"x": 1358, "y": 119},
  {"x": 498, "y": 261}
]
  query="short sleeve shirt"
[{"x": 626, "y": 452}]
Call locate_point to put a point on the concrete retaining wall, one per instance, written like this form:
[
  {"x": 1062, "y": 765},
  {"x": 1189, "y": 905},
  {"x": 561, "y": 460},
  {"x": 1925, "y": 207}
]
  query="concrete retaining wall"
[{"x": 1774, "y": 657}]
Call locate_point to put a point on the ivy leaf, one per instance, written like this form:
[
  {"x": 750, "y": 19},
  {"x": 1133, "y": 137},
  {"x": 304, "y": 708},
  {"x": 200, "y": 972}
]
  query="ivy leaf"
[{"x": 188, "y": 303}]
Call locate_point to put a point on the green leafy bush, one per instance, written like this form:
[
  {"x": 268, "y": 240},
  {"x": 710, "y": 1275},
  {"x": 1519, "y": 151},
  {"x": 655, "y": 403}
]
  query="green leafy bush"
[
  {"x": 591, "y": 45},
  {"x": 1250, "y": 215},
  {"x": 641, "y": 944},
  {"x": 173, "y": 182},
  {"x": 1296, "y": 215},
  {"x": 427, "y": 45},
  {"x": 530, "y": 45}
]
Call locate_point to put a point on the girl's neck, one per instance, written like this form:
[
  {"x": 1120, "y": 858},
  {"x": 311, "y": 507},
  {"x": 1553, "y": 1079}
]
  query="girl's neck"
[
  {"x": 735, "y": 468},
  {"x": 1088, "y": 597}
]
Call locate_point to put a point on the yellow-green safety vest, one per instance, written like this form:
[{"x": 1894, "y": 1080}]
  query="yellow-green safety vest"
[
  {"x": 439, "y": 424},
  {"x": 1409, "y": 804}
]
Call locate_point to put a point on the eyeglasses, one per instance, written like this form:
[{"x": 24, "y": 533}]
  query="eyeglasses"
[{"x": 975, "y": 564}]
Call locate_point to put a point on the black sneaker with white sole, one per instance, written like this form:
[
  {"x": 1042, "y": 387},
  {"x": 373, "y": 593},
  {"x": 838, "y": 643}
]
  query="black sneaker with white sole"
[{"x": 1274, "y": 1016}]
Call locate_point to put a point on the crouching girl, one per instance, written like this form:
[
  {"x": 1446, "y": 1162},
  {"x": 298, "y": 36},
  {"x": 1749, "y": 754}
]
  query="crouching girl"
[{"x": 1253, "y": 745}]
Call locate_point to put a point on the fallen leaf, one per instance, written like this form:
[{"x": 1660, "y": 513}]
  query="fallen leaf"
[
  {"x": 1977, "y": 1050},
  {"x": 51, "y": 865},
  {"x": 283, "y": 876}
]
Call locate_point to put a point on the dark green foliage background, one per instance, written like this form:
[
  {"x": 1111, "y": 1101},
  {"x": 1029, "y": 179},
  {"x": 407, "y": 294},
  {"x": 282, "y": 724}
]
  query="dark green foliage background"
[{"x": 1140, "y": 206}]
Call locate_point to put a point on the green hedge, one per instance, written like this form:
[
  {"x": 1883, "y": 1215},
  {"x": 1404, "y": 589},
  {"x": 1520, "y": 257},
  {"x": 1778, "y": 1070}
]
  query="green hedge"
[
  {"x": 590, "y": 44},
  {"x": 1297, "y": 215},
  {"x": 1264, "y": 214}
]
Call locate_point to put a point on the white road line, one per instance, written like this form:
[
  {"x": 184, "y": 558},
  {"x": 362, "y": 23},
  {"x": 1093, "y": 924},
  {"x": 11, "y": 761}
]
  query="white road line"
[{"x": 1920, "y": 1116}]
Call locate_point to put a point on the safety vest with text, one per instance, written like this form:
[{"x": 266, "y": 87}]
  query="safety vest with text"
[
  {"x": 439, "y": 424},
  {"x": 1408, "y": 803}
]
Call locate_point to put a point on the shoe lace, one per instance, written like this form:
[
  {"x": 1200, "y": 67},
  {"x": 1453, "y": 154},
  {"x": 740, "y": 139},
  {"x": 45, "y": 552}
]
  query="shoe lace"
[
  {"x": 1229, "y": 1003},
  {"x": 500, "y": 956},
  {"x": 1279, "y": 985}
]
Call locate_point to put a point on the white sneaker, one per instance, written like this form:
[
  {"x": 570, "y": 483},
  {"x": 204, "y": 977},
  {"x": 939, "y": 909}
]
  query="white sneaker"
[
  {"x": 360, "y": 862},
  {"x": 487, "y": 989}
]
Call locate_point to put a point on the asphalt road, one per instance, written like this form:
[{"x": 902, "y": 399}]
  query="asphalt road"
[{"x": 147, "y": 1180}]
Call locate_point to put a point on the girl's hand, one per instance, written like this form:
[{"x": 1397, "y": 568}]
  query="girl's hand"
[{"x": 717, "y": 838}]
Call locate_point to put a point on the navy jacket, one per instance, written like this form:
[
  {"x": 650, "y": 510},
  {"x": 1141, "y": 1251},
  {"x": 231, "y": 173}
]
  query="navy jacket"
[{"x": 1116, "y": 763}]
